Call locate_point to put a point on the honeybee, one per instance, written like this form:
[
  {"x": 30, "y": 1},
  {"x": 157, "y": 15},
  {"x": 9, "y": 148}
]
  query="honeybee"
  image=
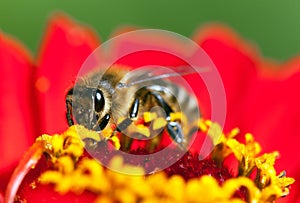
[{"x": 101, "y": 97}]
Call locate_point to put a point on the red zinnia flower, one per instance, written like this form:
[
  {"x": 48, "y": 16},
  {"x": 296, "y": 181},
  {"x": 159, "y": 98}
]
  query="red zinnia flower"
[{"x": 261, "y": 97}]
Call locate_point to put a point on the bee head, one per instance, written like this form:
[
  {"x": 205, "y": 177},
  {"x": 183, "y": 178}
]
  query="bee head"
[{"x": 86, "y": 107}]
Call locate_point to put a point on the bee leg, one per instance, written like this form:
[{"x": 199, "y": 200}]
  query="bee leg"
[
  {"x": 175, "y": 131},
  {"x": 173, "y": 127},
  {"x": 69, "y": 112},
  {"x": 133, "y": 112},
  {"x": 104, "y": 121},
  {"x": 162, "y": 103}
]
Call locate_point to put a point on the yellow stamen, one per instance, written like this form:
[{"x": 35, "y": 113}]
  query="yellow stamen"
[
  {"x": 159, "y": 123},
  {"x": 234, "y": 132},
  {"x": 149, "y": 116},
  {"x": 57, "y": 143},
  {"x": 71, "y": 172},
  {"x": 144, "y": 130},
  {"x": 116, "y": 142},
  {"x": 179, "y": 116},
  {"x": 85, "y": 133},
  {"x": 201, "y": 125},
  {"x": 215, "y": 132},
  {"x": 107, "y": 132}
]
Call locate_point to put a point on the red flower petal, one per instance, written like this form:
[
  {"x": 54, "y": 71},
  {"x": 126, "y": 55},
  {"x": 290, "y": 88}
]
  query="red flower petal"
[
  {"x": 260, "y": 99},
  {"x": 29, "y": 161},
  {"x": 30, "y": 190},
  {"x": 46, "y": 194},
  {"x": 236, "y": 66},
  {"x": 65, "y": 47},
  {"x": 16, "y": 127}
]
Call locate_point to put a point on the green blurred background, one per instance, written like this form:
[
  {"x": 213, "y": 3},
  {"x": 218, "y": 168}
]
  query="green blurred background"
[{"x": 274, "y": 25}]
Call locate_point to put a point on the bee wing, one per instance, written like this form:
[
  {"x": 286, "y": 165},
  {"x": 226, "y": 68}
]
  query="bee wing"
[{"x": 143, "y": 75}]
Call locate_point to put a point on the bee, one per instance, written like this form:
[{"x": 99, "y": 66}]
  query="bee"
[{"x": 98, "y": 99}]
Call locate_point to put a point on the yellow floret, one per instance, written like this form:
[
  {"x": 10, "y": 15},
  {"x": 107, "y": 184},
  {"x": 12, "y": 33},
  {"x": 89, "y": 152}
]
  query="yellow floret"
[
  {"x": 71, "y": 172},
  {"x": 159, "y": 123},
  {"x": 149, "y": 116}
]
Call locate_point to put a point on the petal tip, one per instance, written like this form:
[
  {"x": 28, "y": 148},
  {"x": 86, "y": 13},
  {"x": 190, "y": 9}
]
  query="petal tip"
[
  {"x": 76, "y": 33},
  {"x": 227, "y": 35},
  {"x": 14, "y": 46}
]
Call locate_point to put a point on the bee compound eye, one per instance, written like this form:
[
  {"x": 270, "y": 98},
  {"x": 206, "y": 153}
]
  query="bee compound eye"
[{"x": 99, "y": 101}]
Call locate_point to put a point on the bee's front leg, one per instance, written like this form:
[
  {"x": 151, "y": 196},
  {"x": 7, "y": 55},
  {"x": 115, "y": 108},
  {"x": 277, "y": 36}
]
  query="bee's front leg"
[
  {"x": 133, "y": 112},
  {"x": 121, "y": 127},
  {"x": 103, "y": 122}
]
